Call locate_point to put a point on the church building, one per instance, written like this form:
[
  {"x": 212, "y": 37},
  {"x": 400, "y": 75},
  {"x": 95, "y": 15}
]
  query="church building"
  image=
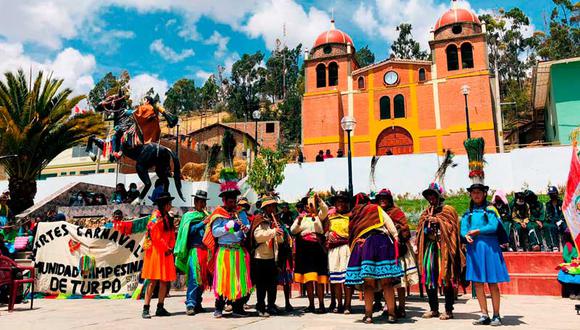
[{"x": 401, "y": 106}]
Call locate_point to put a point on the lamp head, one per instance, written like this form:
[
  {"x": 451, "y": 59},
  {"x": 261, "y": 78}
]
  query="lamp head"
[
  {"x": 348, "y": 123},
  {"x": 256, "y": 114},
  {"x": 465, "y": 89}
]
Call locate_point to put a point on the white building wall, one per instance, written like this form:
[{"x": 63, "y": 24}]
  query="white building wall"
[{"x": 533, "y": 168}]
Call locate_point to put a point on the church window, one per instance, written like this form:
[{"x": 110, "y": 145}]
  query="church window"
[
  {"x": 422, "y": 74},
  {"x": 333, "y": 74},
  {"x": 385, "y": 107},
  {"x": 467, "y": 56},
  {"x": 456, "y": 29},
  {"x": 320, "y": 75},
  {"x": 361, "y": 83},
  {"x": 399, "y": 101},
  {"x": 452, "y": 58}
]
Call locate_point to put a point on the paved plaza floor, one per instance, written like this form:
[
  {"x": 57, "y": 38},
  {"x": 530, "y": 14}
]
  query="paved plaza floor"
[{"x": 520, "y": 312}]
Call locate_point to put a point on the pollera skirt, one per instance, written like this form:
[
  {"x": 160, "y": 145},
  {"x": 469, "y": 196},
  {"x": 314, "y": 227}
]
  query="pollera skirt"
[
  {"x": 232, "y": 279},
  {"x": 311, "y": 262},
  {"x": 375, "y": 259},
  {"x": 485, "y": 263}
]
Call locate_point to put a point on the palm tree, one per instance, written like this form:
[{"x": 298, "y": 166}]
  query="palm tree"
[{"x": 36, "y": 125}]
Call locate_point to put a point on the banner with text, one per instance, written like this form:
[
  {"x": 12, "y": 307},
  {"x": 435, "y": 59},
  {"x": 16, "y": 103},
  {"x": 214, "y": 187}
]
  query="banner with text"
[{"x": 82, "y": 261}]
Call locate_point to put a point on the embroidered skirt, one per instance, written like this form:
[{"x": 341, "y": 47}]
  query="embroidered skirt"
[
  {"x": 311, "y": 262},
  {"x": 375, "y": 259}
]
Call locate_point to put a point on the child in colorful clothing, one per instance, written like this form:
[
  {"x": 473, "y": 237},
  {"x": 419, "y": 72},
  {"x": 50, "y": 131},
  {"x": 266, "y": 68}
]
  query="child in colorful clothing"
[
  {"x": 485, "y": 263},
  {"x": 158, "y": 264}
]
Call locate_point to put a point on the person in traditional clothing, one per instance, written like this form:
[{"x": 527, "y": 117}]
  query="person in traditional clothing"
[
  {"x": 373, "y": 263},
  {"x": 439, "y": 253},
  {"x": 147, "y": 118},
  {"x": 406, "y": 257},
  {"x": 231, "y": 271},
  {"x": 158, "y": 263},
  {"x": 311, "y": 264},
  {"x": 191, "y": 254},
  {"x": 537, "y": 221},
  {"x": 555, "y": 222},
  {"x": 336, "y": 228},
  {"x": 485, "y": 263},
  {"x": 266, "y": 235},
  {"x": 521, "y": 219},
  {"x": 500, "y": 202},
  {"x": 286, "y": 255}
]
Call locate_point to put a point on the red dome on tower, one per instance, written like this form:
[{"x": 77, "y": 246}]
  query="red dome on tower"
[
  {"x": 332, "y": 36},
  {"x": 457, "y": 15}
]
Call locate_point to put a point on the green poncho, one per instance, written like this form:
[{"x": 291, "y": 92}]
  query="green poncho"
[{"x": 181, "y": 251}]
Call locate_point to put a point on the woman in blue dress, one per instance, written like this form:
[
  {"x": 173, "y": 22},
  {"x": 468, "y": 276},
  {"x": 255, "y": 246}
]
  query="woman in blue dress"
[{"x": 485, "y": 263}]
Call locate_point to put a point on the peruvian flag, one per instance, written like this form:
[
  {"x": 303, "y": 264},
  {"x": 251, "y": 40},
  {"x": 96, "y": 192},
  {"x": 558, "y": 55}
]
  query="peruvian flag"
[{"x": 571, "y": 205}]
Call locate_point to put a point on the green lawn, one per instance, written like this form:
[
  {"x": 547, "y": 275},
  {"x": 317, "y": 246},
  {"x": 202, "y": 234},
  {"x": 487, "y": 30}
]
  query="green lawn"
[{"x": 414, "y": 207}]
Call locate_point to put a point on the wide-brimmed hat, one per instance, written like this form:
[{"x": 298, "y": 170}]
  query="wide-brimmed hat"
[
  {"x": 243, "y": 201},
  {"x": 433, "y": 189},
  {"x": 163, "y": 198},
  {"x": 478, "y": 186},
  {"x": 268, "y": 201},
  {"x": 340, "y": 195},
  {"x": 201, "y": 194}
]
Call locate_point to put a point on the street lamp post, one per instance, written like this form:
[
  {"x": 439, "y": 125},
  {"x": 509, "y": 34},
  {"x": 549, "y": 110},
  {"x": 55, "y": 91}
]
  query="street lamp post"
[
  {"x": 465, "y": 92},
  {"x": 348, "y": 123},
  {"x": 256, "y": 115}
]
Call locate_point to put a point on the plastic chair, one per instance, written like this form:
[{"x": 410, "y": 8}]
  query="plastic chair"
[{"x": 8, "y": 270}]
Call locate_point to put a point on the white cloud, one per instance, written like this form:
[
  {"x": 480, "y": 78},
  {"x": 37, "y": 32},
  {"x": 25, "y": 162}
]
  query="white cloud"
[
  {"x": 140, "y": 85},
  {"x": 380, "y": 19},
  {"x": 108, "y": 41},
  {"x": 75, "y": 68},
  {"x": 203, "y": 75},
  {"x": 170, "y": 22},
  {"x": 302, "y": 26},
  {"x": 167, "y": 53},
  {"x": 221, "y": 42}
]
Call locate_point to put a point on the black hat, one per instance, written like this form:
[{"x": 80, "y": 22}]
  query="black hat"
[
  {"x": 201, "y": 194},
  {"x": 553, "y": 191},
  {"x": 340, "y": 195},
  {"x": 478, "y": 186},
  {"x": 163, "y": 197},
  {"x": 433, "y": 189}
]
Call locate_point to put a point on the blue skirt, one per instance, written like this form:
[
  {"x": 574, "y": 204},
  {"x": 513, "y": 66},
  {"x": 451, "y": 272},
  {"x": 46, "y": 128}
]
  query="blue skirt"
[
  {"x": 375, "y": 259},
  {"x": 485, "y": 263}
]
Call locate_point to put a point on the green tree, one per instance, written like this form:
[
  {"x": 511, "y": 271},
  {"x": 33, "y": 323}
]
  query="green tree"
[
  {"x": 267, "y": 171},
  {"x": 108, "y": 85},
  {"x": 290, "y": 117},
  {"x": 248, "y": 80},
  {"x": 182, "y": 97},
  {"x": 562, "y": 40},
  {"x": 283, "y": 70},
  {"x": 208, "y": 93},
  {"x": 36, "y": 125},
  {"x": 364, "y": 56},
  {"x": 405, "y": 46}
]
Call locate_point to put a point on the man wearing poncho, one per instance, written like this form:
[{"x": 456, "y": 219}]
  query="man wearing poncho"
[
  {"x": 440, "y": 257},
  {"x": 229, "y": 258},
  {"x": 191, "y": 254}
]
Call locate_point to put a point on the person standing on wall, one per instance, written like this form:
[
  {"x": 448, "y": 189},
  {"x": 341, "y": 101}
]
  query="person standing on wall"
[
  {"x": 485, "y": 263},
  {"x": 158, "y": 263}
]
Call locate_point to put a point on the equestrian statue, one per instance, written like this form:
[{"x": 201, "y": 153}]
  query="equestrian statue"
[{"x": 136, "y": 134}]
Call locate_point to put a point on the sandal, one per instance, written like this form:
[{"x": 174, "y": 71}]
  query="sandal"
[
  {"x": 367, "y": 319},
  {"x": 430, "y": 314},
  {"x": 446, "y": 316},
  {"x": 391, "y": 319}
]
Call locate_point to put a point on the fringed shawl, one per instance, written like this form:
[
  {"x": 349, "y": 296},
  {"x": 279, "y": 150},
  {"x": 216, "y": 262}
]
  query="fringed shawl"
[{"x": 451, "y": 257}]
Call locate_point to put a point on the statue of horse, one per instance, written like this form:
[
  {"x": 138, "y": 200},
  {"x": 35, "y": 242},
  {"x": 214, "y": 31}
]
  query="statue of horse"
[{"x": 147, "y": 156}]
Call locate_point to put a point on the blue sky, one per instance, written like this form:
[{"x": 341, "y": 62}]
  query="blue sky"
[{"x": 160, "y": 41}]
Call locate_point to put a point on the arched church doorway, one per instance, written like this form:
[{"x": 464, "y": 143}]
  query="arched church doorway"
[{"x": 394, "y": 140}]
